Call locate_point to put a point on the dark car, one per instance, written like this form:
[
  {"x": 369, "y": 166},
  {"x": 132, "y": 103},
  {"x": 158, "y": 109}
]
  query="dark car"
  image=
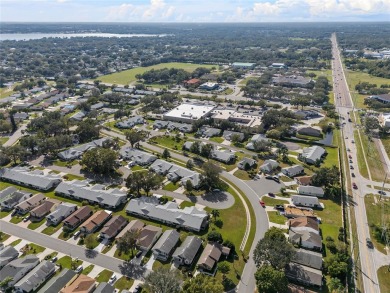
[
  {"x": 381, "y": 192},
  {"x": 269, "y": 177},
  {"x": 276, "y": 179},
  {"x": 279, "y": 207},
  {"x": 271, "y": 194},
  {"x": 139, "y": 253},
  {"x": 353, "y": 174},
  {"x": 369, "y": 243},
  {"x": 354, "y": 186}
]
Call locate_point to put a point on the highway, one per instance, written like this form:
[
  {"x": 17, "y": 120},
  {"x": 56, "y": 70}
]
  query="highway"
[{"x": 344, "y": 105}]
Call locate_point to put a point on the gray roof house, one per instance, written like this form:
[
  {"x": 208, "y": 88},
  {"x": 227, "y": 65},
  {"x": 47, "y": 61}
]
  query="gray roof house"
[
  {"x": 181, "y": 127},
  {"x": 227, "y": 134},
  {"x": 293, "y": 170},
  {"x": 310, "y": 131},
  {"x": 311, "y": 154},
  {"x": 209, "y": 258},
  {"x": 186, "y": 252},
  {"x": 76, "y": 152},
  {"x": 310, "y": 190},
  {"x": 187, "y": 145},
  {"x": 255, "y": 138},
  {"x": 19, "y": 268},
  {"x": 104, "y": 288},
  {"x": 10, "y": 197},
  {"x": 208, "y": 131},
  {"x": 56, "y": 283},
  {"x": 269, "y": 166},
  {"x": 36, "y": 277},
  {"x": 35, "y": 179},
  {"x": 189, "y": 218},
  {"x": 160, "y": 124},
  {"x": 7, "y": 254},
  {"x": 243, "y": 163},
  {"x": 226, "y": 157},
  {"x": 137, "y": 156},
  {"x": 306, "y": 201},
  {"x": 308, "y": 258},
  {"x": 165, "y": 245},
  {"x": 305, "y": 239},
  {"x": 304, "y": 275},
  {"x": 96, "y": 194},
  {"x": 97, "y": 106},
  {"x": 131, "y": 122},
  {"x": 30, "y": 203},
  {"x": 77, "y": 116},
  {"x": 62, "y": 211}
]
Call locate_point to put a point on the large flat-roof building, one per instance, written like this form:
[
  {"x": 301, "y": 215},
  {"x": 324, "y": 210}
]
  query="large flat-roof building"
[
  {"x": 188, "y": 112},
  {"x": 243, "y": 65}
]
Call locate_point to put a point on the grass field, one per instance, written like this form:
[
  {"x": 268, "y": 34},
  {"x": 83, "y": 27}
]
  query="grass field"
[
  {"x": 5, "y": 92},
  {"x": 128, "y": 76},
  {"x": 328, "y": 74},
  {"x": 168, "y": 142},
  {"x": 3, "y": 140},
  {"x": 16, "y": 219},
  {"x": 384, "y": 279}
]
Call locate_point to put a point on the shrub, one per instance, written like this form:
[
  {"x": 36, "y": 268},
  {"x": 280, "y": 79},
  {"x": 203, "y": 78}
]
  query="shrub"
[{"x": 214, "y": 236}]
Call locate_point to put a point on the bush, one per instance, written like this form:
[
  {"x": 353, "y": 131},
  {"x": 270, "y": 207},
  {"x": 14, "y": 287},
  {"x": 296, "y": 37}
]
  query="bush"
[
  {"x": 328, "y": 238},
  {"x": 214, "y": 236},
  {"x": 218, "y": 223},
  {"x": 84, "y": 203},
  {"x": 331, "y": 246},
  {"x": 229, "y": 244},
  {"x": 228, "y": 284}
]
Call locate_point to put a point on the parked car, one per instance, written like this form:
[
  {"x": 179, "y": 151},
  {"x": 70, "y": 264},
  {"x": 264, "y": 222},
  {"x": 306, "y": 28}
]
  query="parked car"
[
  {"x": 262, "y": 204},
  {"x": 139, "y": 253},
  {"x": 276, "y": 179},
  {"x": 354, "y": 186},
  {"x": 271, "y": 194},
  {"x": 25, "y": 219},
  {"x": 79, "y": 269},
  {"x": 350, "y": 156},
  {"x": 269, "y": 177},
  {"x": 137, "y": 289},
  {"x": 381, "y": 192},
  {"x": 352, "y": 141},
  {"x": 350, "y": 161},
  {"x": 369, "y": 243},
  {"x": 112, "y": 280},
  {"x": 54, "y": 259},
  {"x": 279, "y": 207},
  {"x": 76, "y": 234},
  {"x": 351, "y": 167},
  {"x": 14, "y": 213}
]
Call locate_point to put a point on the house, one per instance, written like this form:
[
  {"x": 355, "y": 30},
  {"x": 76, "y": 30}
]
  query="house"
[
  {"x": 30, "y": 203},
  {"x": 131, "y": 122},
  {"x": 56, "y": 283},
  {"x": 303, "y": 180},
  {"x": 36, "y": 277},
  {"x": 181, "y": 127},
  {"x": 189, "y": 218},
  {"x": 194, "y": 82},
  {"x": 269, "y": 166},
  {"x": 304, "y": 224},
  {"x": 306, "y": 201},
  {"x": 304, "y": 275},
  {"x": 291, "y": 211},
  {"x": 82, "y": 284},
  {"x": 104, "y": 288},
  {"x": 307, "y": 114},
  {"x": 148, "y": 236},
  {"x": 79, "y": 216},
  {"x": 62, "y": 211},
  {"x": 113, "y": 227},
  {"x": 246, "y": 164},
  {"x": 160, "y": 124},
  {"x": 137, "y": 156},
  {"x": 305, "y": 239},
  {"x": 257, "y": 138},
  {"x": 134, "y": 225},
  {"x": 311, "y": 155},
  {"x": 308, "y": 258},
  {"x": 77, "y": 116},
  {"x": 95, "y": 221},
  {"x": 48, "y": 206},
  {"x": 310, "y": 131},
  {"x": 97, "y": 106},
  {"x": 227, "y": 134},
  {"x": 293, "y": 170},
  {"x": 95, "y": 194},
  {"x": 76, "y": 152},
  {"x": 165, "y": 245},
  {"x": 208, "y": 132},
  {"x": 35, "y": 179},
  {"x": 278, "y": 65},
  {"x": 10, "y": 197},
  {"x": 21, "y": 116},
  {"x": 226, "y": 157},
  {"x": 186, "y": 252},
  {"x": 209, "y": 86},
  {"x": 209, "y": 258},
  {"x": 18, "y": 268},
  {"x": 7, "y": 254},
  {"x": 311, "y": 191}
]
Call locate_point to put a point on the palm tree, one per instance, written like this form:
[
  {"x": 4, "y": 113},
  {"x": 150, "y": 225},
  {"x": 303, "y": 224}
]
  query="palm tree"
[{"x": 215, "y": 214}]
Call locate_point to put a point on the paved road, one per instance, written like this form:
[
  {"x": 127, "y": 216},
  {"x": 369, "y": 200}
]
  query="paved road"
[
  {"x": 344, "y": 105},
  {"x": 15, "y": 136}
]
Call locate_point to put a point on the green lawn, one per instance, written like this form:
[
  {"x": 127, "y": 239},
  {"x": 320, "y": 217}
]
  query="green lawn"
[
  {"x": 332, "y": 158},
  {"x": 186, "y": 204},
  {"x": 16, "y": 242},
  {"x": 275, "y": 217},
  {"x": 4, "y": 236},
  {"x": 33, "y": 248},
  {"x": 16, "y": 219},
  {"x": 104, "y": 276},
  {"x": 4, "y": 214},
  {"x": 35, "y": 225},
  {"x": 384, "y": 279},
  {"x": 64, "y": 164},
  {"x": 3, "y": 140},
  {"x": 124, "y": 283},
  {"x": 269, "y": 201},
  {"x": 88, "y": 269},
  {"x": 6, "y": 92},
  {"x": 66, "y": 262},
  {"x": 52, "y": 229},
  {"x": 374, "y": 218},
  {"x": 158, "y": 264},
  {"x": 217, "y": 139},
  {"x": 243, "y": 175},
  {"x": 168, "y": 142},
  {"x": 124, "y": 256},
  {"x": 171, "y": 186},
  {"x": 71, "y": 177},
  {"x": 137, "y": 168},
  {"x": 360, "y": 156},
  {"x": 128, "y": 76},
  {"x": 386, "y": 144}
]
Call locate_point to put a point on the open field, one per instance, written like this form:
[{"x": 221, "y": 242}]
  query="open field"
[
  {"x": 384, "y": 279},
  {"x": 5, "y": 92},
  {"x": 128, "y": 76},
  {"x": 328, "y": 74}
]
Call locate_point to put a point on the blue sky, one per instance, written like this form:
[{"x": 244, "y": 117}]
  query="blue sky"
[{"x": 194, "y": 10}]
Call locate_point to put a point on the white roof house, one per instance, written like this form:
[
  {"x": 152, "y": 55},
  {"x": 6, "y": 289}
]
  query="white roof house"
[
  {"x": 269, "y": 165},
  {"x": 311, "y": 154},
  {"x": 293, "y": 170},
  {"x": 254, "y": 139},
  {"x": 137, "y": 156},
  {"x": 188, "y": 112},
  {"x": 310, "y": 190},
  {"x": 306, "y": 201}
]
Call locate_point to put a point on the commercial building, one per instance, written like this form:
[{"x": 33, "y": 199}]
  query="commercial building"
[
  {"x": 209, "y": 86},
  {"x": 243, "y": 65},
  {"x": 292, "y": 81},
  {"x": 188, "y": 113}
]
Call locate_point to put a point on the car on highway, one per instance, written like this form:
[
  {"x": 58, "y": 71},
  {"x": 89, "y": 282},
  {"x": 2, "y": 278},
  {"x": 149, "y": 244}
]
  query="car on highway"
[
  {"x": 354, "y": 186},
  {"x": 349, "y": 120},
  {"x": 352, "y": 141},
  {"x": 351, "y": 167},
  {"x": 381, "y": 192},
  {"x": 348, "y": 150},
  {"x": 369, "y": 243},
  {"x": 353, "y": 174},
  {"x": 262, "y": 203},
  {"x": 350, "y": 161}
]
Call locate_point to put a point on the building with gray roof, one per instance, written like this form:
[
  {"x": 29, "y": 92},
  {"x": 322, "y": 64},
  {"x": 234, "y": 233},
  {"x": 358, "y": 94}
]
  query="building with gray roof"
[
  {"x": 18, "y": 268},
  {"x": 208, "y": 132},
  {"x": 306, "y": 201},
  {"x": 7, "y": 254},
  {"x": 165, "y": 245},
  {"x": 131, "y": 122},
  {"x": 228, "y": 135},
  {"x": 189, "y": 218},
  {"x": 292, "y": 81},
  {"x": 312, "y": 154},
  {"x": 10, "y": 197},
  {"x": 269, "y": 166},
  {"x": 57, "y": 283},
  {"x": 255, "y": 139},
  {"x": 137, "y": 156},
  {"x": 94, "y": 194},
  {"x": 36, "y": 277},
  {"x": 245, "y": 162},
  {"x": 104, "y": 288},
  {"x": 226, "y": 157},
  {"x": 35, "y": 179},
  {"x": 311, "y": 190},
  {"x": 308, "y": 258},
  {"x": 78, "y": 116},
  {"x": 186, "y": 252},
  {"x": 77, "y": 151},
  {"x": 293, "y": 170},
  {"x": 304, "y": 275},
  {"x": 62, "y": 211},
  {"x": 306, "y": 239}
]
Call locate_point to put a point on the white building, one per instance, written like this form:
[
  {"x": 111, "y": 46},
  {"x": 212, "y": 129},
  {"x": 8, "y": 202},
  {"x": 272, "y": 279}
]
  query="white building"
[
  {"x": 384, "y": 119},
  {"x": 188, "y": 112}
]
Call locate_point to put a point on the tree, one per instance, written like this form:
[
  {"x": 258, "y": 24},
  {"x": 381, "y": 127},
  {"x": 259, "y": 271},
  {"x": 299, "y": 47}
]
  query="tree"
[
  {"x": 12, "y": 120},
  {"x": 166, "y": 154},
  {"x": 214, "y": 236},
  {"x": 262, "y": 146},
  {"x": 206, "y": 150},
  {"x": 134, "y": 137},
  {"x": 128, "y": 241},
  {"x": 146, "y": 180},
  {"x": 271, "y": 280},
  {"x": 163, "y": 280},
  {"x": 89, "y": 241},
  {"x": 273, "y": 250},
  {"x": 215, "y": 214},
  {"x": 30, "y": 142},
  {"x": 189, "y": 186},
  {"x": 224, "y": 267},
  {"x": 326, "y": 177},
  {"x": 4, "y": 284},
  {"x": 202, "y": 283},
  {"x": 99, "y": 160},
  {"x": 335, "y": 285},
  {"x": 235, "y": 138},
  {"x": 152, "y": 181},
  {"x": 195, "y": 148},
  {"x": 15, "y": 153},
  {"x": 135, "y": 181},
  {"x": 210, "y": 176},
  {"x": 190, "y": 164},
  {"x": 88, "y": 130},
  {"x": 337, "y": 265},
  {"x": 371, "y": 123}
]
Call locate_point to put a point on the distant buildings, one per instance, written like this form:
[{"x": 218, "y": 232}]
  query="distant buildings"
[
  {"x": 243, "y": 65},
  {"x": 292, "y": 81},
  {"x": 131, "y": 122},
  {"x": 209, "y": 86},
  {"x": 278, "y": 65},
  {"x": 77, "y": 151}
]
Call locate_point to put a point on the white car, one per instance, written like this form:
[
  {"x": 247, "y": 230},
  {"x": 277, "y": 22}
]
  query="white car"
[
  {"x": 79, "y": 269},
  {"x": 112, "y": 280}
]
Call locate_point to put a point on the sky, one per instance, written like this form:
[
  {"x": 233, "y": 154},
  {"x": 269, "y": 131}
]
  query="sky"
[{"x": 193, "y": 10}]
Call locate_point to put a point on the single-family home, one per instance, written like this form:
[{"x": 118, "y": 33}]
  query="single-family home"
[
  {"x": 36, "y": 277},
  {"x": 20, "y": 116},
  {"x": 96, "y": 221},
  {"x": 7, "y": 254},
  {"x": 189, "y": 218},
  {"x": 113, "y": 227},
  {"x": 165, "y": 245},
  {"x": 160, "y": 124},
  {"x": 293, "y": 170},
  {"x": 226, "y": 157},
  {"x": 210, "y": 257},
  {"x": 306, "y": 239},
  {"x": 79, "y": 216},
  {"x": 246, "y": 163},
  {"x": 148, "y": 236},
  {"x": 10, "y": 197},
  {"x": 94, "y": 194},
  {"x": 306, "y": 201},
  {"x": 104, "y": 287},
  {"x": 269, "y": 166},
  {"x": 134, "y": 225},
  {"x": 308, "y": 258},
  {"x": 97, "y": 106},
  {"x": 35, "y": 179},
  {"x": 311, "y": 191},
  {"x": 310, "y": 131},
  {"x": 228, "y": 135},
  {"x": 186, "y": 252},
  {"x": 312, "y": 155},
  {"x": 291, "y": 211},
  {"x": 30, "y": 203},
  {"x": 48, "y": 206},
  {"x": 131, "y": 122},
  {"x": 303, "y": 180},
  {"x": 304, "y": 224},
  {"x": 255, "y": 139},
  {"x": 208, "y": 132},
  {"x": 77, "y": 151},
  {"x": 18, "y": 268},
  {"x": 304, "y": 275},
  {"x": 137, "y": 156},
  {"x": 187, "y": 145},
  {"x": 193, "y": 82},
  {"x": 82, "y": 284},
  {"x": 78, "y": 116},
  {"x": 56, "y": 283},
  {"x": 62, "y": 211}
]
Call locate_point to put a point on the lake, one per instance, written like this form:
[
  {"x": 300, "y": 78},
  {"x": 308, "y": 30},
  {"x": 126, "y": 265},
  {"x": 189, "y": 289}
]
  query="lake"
[{"x": 36, "y": 36}]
